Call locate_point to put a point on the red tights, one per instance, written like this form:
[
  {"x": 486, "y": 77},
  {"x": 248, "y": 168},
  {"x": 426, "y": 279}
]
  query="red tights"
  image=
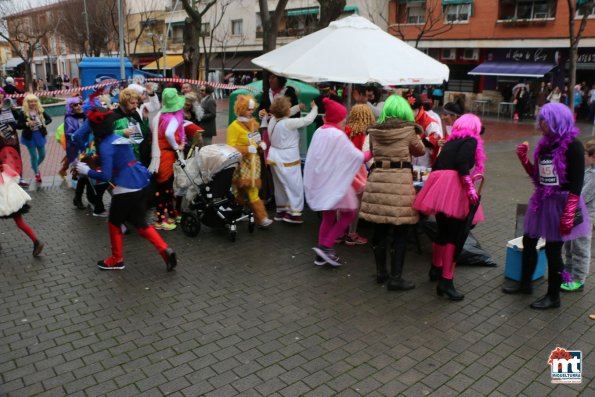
[{"x": 21, "y": 224}]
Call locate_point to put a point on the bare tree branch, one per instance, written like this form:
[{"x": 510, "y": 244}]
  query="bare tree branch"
[
  {"x": 575, "y": 38},
  {"x": 26, "y": 29}
]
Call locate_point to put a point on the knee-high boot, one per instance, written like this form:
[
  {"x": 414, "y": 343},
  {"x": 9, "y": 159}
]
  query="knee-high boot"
[
  {"x": 397, "y": 260},
  {"x": 168, "y": 254},
  {"x": 529, "y": 257},
  {"x": 445, "y": 285},
  {"x": 554, "y": 269},
  {"x": 436, "y": 267},
  {"x": 117, "y": 239},
  {"x": 380, "y": 258}
]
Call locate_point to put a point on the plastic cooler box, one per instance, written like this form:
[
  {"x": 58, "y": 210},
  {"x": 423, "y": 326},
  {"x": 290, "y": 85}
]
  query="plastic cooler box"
[{"x": 514, "y": 259}]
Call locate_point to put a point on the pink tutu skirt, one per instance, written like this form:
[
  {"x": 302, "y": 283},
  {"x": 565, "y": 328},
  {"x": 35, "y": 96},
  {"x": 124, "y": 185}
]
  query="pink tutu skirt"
[{"x": 444, "y": 193}]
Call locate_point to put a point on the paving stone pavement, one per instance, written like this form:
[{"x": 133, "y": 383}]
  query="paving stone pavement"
[{"x": 257, "y": 318}]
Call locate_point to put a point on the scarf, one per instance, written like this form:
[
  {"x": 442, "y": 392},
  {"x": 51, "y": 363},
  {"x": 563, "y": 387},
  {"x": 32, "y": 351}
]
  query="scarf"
[{"x": 424, "y": 120}]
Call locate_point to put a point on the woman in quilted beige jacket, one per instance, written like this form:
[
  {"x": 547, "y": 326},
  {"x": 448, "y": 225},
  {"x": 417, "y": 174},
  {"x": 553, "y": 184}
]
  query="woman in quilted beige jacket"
[{"x": 389, "y": 193}]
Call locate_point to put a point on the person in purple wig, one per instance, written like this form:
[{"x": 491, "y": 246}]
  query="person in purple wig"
[{"x": 556, "y": 210}]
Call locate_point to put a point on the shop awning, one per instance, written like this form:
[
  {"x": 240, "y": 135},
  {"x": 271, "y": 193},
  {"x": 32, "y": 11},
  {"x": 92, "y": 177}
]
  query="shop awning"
[
  {"x": 302, "y": 11},
  {"x": 515, "y": 69},
  {"x": 316, "y": 10},
  {"x": 13, "y": 63},
  {"x": 171, "y": 61}
]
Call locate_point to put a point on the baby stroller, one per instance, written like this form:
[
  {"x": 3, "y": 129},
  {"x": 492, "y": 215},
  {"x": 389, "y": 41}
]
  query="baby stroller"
[{"x": 208, "y": 174}]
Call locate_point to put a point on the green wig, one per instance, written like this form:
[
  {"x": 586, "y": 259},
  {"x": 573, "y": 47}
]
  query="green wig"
[{"x": 397, "y": 107}]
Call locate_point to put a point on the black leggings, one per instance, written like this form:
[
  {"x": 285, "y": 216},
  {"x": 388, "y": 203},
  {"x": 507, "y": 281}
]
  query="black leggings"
[
  {"x": 129, "y": 207},
  {"x": 399, "y": 232},
  {"x": 450, "y": 230},
  {"x": 555, "y": 265}
]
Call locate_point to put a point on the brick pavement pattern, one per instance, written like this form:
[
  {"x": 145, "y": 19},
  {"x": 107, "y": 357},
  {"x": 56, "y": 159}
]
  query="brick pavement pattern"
[{"x": 257, "y": 318}]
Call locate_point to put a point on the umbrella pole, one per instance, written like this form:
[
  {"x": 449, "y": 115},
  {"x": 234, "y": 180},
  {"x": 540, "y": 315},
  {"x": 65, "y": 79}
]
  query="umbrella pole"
[{"x": 349, "y": 96}]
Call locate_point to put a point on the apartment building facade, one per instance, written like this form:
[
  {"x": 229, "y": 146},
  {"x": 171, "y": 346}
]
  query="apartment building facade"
[{"x": 489, "y": 42}]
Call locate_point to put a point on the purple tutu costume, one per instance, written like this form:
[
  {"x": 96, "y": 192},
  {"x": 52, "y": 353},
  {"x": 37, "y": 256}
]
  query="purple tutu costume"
[{"x": 544, "y": 220}]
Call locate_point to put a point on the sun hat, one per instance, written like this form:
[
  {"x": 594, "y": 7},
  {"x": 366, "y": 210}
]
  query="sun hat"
[
  {"x": 334, "y": 111},
  {"x": 172, "y": 102}
]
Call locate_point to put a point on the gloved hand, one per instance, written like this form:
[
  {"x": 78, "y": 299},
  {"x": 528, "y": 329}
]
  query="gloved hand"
[
  {"x": 252, "y": 149},
  {"x": 567, "y": 220},
  {"x": 522, "y": 153},
  {"x": 467, "y": 182},
  {"x": 263, "y": 145},
  {"x": 82, "y": 168}
]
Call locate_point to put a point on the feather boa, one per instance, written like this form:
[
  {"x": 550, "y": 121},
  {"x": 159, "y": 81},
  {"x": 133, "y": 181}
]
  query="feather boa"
[{"x": 557, "y": 145}]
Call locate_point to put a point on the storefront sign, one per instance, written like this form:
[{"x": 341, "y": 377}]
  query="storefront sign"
[{"x": 536, "y": 55}]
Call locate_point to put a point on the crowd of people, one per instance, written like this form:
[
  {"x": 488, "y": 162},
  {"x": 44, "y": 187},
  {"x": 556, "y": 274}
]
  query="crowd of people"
[
  {"x": 358, "y": 166},
  {"x": 529, "y": 98}
]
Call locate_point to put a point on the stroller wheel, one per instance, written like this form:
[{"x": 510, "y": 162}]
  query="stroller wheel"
[
  {"x": 232, "y": 236},
  {"x": 251, "y": 224},
  {"x": 190, "y": 224}
]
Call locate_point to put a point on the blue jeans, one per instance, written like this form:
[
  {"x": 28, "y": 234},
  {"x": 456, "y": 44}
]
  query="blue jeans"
[{"x": 37, "y": 154}]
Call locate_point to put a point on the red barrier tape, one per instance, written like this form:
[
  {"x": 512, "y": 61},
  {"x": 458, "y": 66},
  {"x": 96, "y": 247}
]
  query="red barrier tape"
[
  {"x": 200, "y": 82},
  {"x": 111, "y": 82},
  {"x": 66, "y": 91}
]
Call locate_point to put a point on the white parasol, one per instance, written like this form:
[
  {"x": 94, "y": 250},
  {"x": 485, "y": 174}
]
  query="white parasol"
[{"x": 353, "y": 50}]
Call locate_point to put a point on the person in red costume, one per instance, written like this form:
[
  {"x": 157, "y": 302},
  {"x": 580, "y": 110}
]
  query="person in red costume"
[{"x": 432, "y": 132}]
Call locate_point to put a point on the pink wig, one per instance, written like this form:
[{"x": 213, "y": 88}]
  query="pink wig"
[{"x": 469, "y": 126}]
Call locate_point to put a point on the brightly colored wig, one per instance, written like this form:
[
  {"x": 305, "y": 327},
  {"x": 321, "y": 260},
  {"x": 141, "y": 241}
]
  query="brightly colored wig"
[
  {"x": 397, "y": 107},
  {"x": 127, "y": 95},
  {"x": 38, "y": 108},
  {"x": 561, "y": 131},
  {"x": 469, "y": 126},
  {"x": 243, "y": 104},
  {"x": 360, "y": 118}
]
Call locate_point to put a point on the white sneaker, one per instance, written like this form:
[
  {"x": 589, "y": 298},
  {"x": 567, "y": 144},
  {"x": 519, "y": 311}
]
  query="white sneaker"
[
  {"x": 266, "y": 222},
  {"x": 103, "y": 214}
]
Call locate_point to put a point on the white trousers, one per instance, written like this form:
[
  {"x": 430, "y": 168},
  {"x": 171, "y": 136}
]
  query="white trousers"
[{"x": 289, "y": 188}]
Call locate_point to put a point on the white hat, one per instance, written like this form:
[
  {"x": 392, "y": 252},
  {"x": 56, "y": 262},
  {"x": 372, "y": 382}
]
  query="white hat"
[
  {"x": 138, "y": 88},
  {"x": 9, "y": 80}
]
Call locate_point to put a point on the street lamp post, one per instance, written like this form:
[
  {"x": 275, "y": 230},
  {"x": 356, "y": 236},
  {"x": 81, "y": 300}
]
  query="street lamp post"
[
  {"x": 121, "y": 34},
  {"x": 86, "y": 22},
  {"x": 168, "y": 27}
]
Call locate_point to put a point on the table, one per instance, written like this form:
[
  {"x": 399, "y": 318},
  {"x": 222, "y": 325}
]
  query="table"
[
  {"x": 503, "y": 106},
  {"x": 480, "y": 103}
]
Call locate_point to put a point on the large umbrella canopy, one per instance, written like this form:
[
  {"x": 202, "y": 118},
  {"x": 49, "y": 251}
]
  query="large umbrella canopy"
[{"x": 353, "y": 50}]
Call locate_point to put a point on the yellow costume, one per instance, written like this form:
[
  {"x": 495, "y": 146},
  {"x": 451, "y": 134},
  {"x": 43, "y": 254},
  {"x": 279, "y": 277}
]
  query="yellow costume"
[{"x": 243, "y": 134}]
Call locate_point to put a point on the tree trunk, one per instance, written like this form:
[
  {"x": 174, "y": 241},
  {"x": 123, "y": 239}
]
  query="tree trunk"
[
  {"x": 191, "y": 48},
  {"x": 572, "y": 76},
  {"x": 329, "y": 11},
  {"x": 29, "y": 76}
]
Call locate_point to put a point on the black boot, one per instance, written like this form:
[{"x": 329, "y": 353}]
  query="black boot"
[
  {"x": 380, "y": 258},
  {"x": 551, "y": 300},
  {"x": 396, "y": 282},
  {"x": 518, "y": 288},
  {"x": 547, "y": 302},
  {"x": 435, "y": 273},
  {"x": 528, "y": 268},
  {"x": 446, "y": 286}
]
